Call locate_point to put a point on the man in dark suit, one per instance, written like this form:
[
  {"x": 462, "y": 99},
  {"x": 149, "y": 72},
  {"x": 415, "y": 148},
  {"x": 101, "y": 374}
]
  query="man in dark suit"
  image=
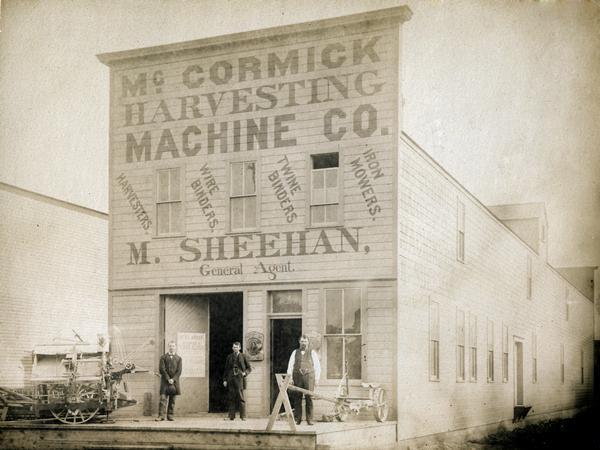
[
  {"x": 170, "y": 370},
  {"x": 237, "y": 367}
]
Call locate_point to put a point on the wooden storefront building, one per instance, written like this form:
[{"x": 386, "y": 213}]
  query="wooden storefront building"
[{"x": 261, "y": 187}]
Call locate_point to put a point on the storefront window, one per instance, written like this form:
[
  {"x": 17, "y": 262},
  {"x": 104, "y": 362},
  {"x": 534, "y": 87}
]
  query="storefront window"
[
  {"x": 243, "y": 195},
  {"x": 286, "y": 302},
  {"x": 343, "y": 332}
]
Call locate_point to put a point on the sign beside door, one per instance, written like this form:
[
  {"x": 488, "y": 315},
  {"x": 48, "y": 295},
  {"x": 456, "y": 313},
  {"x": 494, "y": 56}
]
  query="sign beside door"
[{"x": 192, "y": 349}]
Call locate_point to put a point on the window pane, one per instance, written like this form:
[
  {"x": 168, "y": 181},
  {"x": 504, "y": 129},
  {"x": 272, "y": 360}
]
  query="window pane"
[
  {"x": 334, "y": 357},
  {"x": 249, "y": 178},
  {"x": 331, "y": 212},
  {"x": 352, "y": 311},
  {"x": 317, "y": 214},
  {"x": 333, "y": 308},
  {"x": 175, "y": 185},
  {"x": 331, "y": 177},
  {"x": 461, "y": 362},
  {"x": 236, "y": 179},
  {"x": 353, "y": 356},
  {"x": 318, "y": 196},
  {"x": 162, "y": 218},
  {"x": 163, "y": 186},
  {"x": 237, "y": 213},
  {"x": 286, "y": 301},
  {"x": 332, "y": 195},
  {"x": 175, "y": 217},
  {"x": 318, "y": 179},
  {"x": 325, "y": 160},
  {"x": 250, "y": 212},
  {"x": 434, "y": 359}
]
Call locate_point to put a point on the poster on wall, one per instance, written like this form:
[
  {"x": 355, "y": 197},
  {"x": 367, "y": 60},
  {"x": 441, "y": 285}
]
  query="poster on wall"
[{"x": 192, "y": 349}]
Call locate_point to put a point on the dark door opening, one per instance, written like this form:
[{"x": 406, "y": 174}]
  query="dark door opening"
[
  {"x": 284, "y": 339},
  {"x": 226, "y": 327}
]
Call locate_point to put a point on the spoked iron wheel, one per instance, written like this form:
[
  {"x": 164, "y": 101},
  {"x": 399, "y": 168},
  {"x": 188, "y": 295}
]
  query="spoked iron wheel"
[
  {"x": 74, "y": 404},
  {"x": 381, "y": 407},
  {"x": 341, "y": 412}
]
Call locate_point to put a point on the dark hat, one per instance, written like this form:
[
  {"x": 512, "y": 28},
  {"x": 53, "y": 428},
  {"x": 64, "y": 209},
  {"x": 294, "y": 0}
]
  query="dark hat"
[{"x": 171, "y": 389}]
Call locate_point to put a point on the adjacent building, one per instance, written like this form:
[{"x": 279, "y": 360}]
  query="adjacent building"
[
  {"x": 54, "y": 277},
  {"x": 261, "y": 187}
]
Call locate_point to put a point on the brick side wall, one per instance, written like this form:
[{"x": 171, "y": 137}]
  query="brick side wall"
[
  {"x": 53, "y": 279},
  {"x": 492, "y": 285}
]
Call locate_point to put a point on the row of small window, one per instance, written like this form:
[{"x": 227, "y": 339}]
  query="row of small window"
[
  {"x": 343, "y": 330},
  {"x": 460, "y": 254},
  {"x": 324, "y": 195},
  {"x": 461, "y": 375}
]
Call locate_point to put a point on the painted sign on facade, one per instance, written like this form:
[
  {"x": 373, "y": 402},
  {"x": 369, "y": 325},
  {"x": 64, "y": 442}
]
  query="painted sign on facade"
[{"x": 270, "y": 161}]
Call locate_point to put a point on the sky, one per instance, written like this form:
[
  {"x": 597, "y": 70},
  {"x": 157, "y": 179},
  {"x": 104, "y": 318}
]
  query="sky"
[{"x": 504, "y": 95}]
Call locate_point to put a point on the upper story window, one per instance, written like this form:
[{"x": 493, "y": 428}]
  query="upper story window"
[
  {"x": 343, "y": 332},
  {"x": 242, "y": 193},
  {"x": 460, "y": 232},
  {"x": 324, "y": 195},
  {"x": 169, "y": 204}
]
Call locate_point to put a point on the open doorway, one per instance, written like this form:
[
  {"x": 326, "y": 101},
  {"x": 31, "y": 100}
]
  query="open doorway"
[
  {"x": 226, "y": 327},
  {"x": 284, "y": 339}
]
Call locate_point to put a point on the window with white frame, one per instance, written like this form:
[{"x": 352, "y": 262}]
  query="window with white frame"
[
  {"x": 504, "y": 353},
  {"x": 460, "y": 345},
  {"x": 169, "y": 204},
  {"x": 324, "y": 195},
  {"x": 460, "y": 234},
  {"x": 434, "y": 341},
  {"x": 472, "y": 347},
  {"x": 529, "y": 278},
  {"x": 534, "y": 358},
  {"x": 242, "y": 193},
  {"x": 490, "y": 351},
  {"x": 562, "y": 363},
  {"x": 343, "y": 332}
]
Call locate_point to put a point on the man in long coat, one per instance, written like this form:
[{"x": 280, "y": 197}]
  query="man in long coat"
[
  {"x": 170, "y": 369},
  {"x": 237, "y": 367}
]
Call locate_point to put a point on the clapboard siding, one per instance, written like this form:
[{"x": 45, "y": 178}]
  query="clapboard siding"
[
  {"x": 135, "y": 317},
  {"x": 255, "y": 321},
  {"x": 490, "y": 285},
  {"x": 372, "y": 259}
]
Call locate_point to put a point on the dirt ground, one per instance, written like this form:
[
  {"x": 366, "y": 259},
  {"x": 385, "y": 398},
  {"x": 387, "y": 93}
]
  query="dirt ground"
[{"x": 579, "y": 432}]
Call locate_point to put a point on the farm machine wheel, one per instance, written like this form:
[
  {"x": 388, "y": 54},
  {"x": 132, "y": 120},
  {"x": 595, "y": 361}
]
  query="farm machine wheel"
[
  {"x": 74, "y": 404},
  {"x": 380, "y": 407},
  {"x": 341, "y": 412}
]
